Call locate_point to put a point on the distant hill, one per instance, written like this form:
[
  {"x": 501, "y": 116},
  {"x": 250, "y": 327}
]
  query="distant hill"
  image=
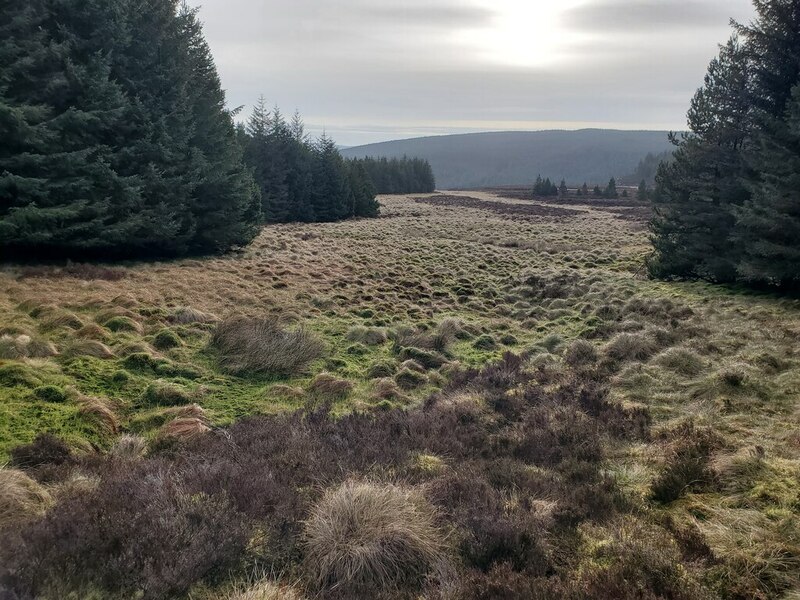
[{"x": 515, "y": 158}]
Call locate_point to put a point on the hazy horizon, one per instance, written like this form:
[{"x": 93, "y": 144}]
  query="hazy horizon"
[{"x": 368, "y": 73}]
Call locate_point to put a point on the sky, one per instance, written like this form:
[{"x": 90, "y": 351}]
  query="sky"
[{"x": 370, "y": 70}]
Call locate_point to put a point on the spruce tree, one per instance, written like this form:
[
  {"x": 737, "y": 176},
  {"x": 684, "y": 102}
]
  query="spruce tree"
[
  {"x": 122, "y": 145},
  {"x": 768, "y": 223},
  {"x": 697, "y": 193},
  {"x": 562, "y": 189},
  {"x": 611, "y": 189},
  {"x": 768, "y": 227},
  {"x": 643, "y": 193}
]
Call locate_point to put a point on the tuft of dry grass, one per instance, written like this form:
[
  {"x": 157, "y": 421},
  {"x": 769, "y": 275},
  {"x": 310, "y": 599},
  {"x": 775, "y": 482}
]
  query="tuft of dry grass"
[
  {"x": 263, "y": 346},
  {"x": 265, "y": 589},
  {"x": 368, "y": 534},
  {"x": 93, "y": 348},
  {"x": 129, "y": 447},
  {"x": 97, "y": 410},
  {"x": 328, "y": 386},
  {"x": 186, "y": 315},
  {"x": 184, "y": 428},
  {"x": 20, "y": 497},
  {"x": 631, "y": 346}
]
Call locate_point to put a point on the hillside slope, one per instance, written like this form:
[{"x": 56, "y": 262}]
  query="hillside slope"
[{"x": 516, "y": 158}]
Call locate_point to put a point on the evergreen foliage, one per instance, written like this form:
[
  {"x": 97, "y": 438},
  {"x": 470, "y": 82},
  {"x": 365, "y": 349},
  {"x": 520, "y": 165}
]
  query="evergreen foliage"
[
  {"x": 115, "y": 137},
  {"x": 611, "y": 189},
  {"x": 302, "y": 180},
  {"x": 544, "y": 187},
  {"x": 727, "y": 209},
  {"x": 399, "y": 175}
]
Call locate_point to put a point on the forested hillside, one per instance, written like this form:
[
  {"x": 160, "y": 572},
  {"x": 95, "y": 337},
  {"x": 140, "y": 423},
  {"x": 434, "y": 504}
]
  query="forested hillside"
[{"x": 514, "y": 158}]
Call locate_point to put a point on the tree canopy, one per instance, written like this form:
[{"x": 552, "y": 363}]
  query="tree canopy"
[
  {"x": 727, "y": 208},
  {"x": 115, "y": 136}
]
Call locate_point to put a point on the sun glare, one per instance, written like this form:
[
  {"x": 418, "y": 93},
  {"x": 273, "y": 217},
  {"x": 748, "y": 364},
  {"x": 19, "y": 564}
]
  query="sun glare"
[{"x": 524, "y": 33}]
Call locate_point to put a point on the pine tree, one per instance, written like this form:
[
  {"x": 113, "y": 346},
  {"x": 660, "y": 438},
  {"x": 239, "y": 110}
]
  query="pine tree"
[
  {"x": 562, "y": 189},
  {"x": 122, "y": 145},
  {"x": 768, "y": 227},
  {"x": 768, "y": 222},
  {"x": 643, "y": 193},
  {"x": 585, "y": 189},
  {"x": 696, "y": 194},
  {"x": 597, "y": 192},
  {"x": 611, "y": 189},
  {"x": 331, "y": 183}
]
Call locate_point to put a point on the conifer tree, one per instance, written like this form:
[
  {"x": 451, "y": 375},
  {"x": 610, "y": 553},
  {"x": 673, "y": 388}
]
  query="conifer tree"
[
  {"x": 562, "y": 189},
  {"x": 122, "y": 144},
  {"x": 643, "y": 193},
  {"x": 697, "y": 192},
  {"x": 611, "y": 189}
]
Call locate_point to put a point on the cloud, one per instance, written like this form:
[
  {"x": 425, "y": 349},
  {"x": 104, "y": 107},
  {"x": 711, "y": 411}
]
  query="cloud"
[
  {"x": 368, "y": 70},
  {"x": 637, "y": 15}
]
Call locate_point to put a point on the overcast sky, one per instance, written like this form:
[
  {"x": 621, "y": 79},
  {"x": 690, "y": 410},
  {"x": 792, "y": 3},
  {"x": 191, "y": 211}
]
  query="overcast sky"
[{"x": 372, "y": 70}]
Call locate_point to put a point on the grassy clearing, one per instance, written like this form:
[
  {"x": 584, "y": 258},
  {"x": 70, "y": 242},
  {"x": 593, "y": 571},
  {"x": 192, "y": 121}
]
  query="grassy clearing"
[{"x": 123, "y": 360}]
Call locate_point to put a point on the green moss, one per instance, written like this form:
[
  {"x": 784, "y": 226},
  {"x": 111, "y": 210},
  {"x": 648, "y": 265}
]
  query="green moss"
[
  {"x": 166, "y": 339},
  {"x": 50, "y": 393},
  {"x": 122, "y": 323},
  {"x": 18, "y": 374},
  {"x": 162, "y": 393},
  {"x": 485, "y": 342},
  {"x": 408, "y": 379}
]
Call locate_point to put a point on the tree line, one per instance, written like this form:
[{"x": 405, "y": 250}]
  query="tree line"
[
  {"x": 399, "y": 175},
  {"x": 728, "y": 204},
  {"x": 115, "y": 140},
  {"x": 301, "y": 180}
]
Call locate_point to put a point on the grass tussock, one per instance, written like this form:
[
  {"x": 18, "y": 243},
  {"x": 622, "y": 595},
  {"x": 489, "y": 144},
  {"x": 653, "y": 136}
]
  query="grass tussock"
[
  {"x": 21, "y": 498},
  {"x": 263, "y": 346},
  {"x": 330, "y": 387},
  {"x": 266, "y": 589},
  {"x": 375, "y": 535}
]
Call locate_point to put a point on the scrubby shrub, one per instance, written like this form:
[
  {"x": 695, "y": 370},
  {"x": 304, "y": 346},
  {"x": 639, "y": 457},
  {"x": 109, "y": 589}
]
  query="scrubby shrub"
[
  {"x": 166, "y": 339},
  {"x": 20, "y": 497},
  {"x": 50, "y": 393},
  {"x": 138, "y": 534},
  {"x": 687, "y": 466},
  {"x": 374, "y": 537},
  {"x": 46, "y": 449},
  {"x": 508, "y": 340},
  {"x": 262, "y": 345}
]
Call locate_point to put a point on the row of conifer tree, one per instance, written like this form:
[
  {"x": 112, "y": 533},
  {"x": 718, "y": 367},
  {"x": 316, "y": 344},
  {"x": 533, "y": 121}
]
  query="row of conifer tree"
[
  {"x": 728, "y": 203},
  {"x": 115, "y": 140}
]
